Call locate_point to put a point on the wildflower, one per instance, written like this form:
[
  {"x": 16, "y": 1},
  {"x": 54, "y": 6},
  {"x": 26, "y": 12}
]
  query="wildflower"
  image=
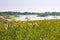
[
  {"x": 36, "y": 24},
  {"x": 5, "y": 26},
  {"x": 30, "y": 23},
  {"x": 8, "y": 19},
  {"x": 1, "y": 17}
]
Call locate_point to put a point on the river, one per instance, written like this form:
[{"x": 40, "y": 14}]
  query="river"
[{"x": 34, "y": 17}]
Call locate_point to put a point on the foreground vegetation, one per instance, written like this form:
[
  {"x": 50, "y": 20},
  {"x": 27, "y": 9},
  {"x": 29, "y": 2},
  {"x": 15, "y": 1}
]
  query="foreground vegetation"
[{"x": 30, "y": 30}]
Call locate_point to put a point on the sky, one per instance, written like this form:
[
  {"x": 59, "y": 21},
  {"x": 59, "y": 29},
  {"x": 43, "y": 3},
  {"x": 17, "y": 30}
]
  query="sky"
[{"x": 30, "y": 5}]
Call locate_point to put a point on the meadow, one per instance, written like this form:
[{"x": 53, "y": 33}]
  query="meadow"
[{"x": 30, "y": 30}]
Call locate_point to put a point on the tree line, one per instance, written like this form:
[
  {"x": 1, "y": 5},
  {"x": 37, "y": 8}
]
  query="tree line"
[{"x": 32, "y": 13}]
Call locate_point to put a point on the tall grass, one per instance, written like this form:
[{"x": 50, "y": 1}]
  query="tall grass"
[{"x": 30, "y": 30}]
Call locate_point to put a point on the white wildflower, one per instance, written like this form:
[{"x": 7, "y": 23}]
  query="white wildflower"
[
  {"x": 36, "y": 24},
  {"x": 6, "y": 26},
  {"x": 30, "y": 23},
  {"x": 8, "y": 20},
  {"x": 2, "y": 17}
]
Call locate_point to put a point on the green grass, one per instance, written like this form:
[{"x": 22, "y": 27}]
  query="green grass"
[{"x": 30, "y": 30}]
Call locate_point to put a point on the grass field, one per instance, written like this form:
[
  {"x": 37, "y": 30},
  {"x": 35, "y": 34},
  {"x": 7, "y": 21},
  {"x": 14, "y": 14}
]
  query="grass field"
[{"x": 30, "y": 30}]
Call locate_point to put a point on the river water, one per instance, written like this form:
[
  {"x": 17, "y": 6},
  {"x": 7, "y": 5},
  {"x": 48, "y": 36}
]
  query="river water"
[{"x": 34, "y": 17}]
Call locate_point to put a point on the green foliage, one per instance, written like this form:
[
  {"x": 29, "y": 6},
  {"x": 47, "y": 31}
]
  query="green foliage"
[{"x": 30, "y": 30}]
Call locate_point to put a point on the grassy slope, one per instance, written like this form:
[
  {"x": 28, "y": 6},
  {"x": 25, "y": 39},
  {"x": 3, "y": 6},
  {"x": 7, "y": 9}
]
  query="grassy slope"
[{"x": 30, "y": 30}]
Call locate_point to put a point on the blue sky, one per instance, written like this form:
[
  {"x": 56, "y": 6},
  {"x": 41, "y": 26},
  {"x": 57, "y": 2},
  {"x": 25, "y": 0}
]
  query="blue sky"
[{"x": 30, "y": 5}]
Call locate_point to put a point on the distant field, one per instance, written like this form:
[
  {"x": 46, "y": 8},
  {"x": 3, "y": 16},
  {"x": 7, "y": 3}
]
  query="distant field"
[{"x": 30, "y": 30}]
